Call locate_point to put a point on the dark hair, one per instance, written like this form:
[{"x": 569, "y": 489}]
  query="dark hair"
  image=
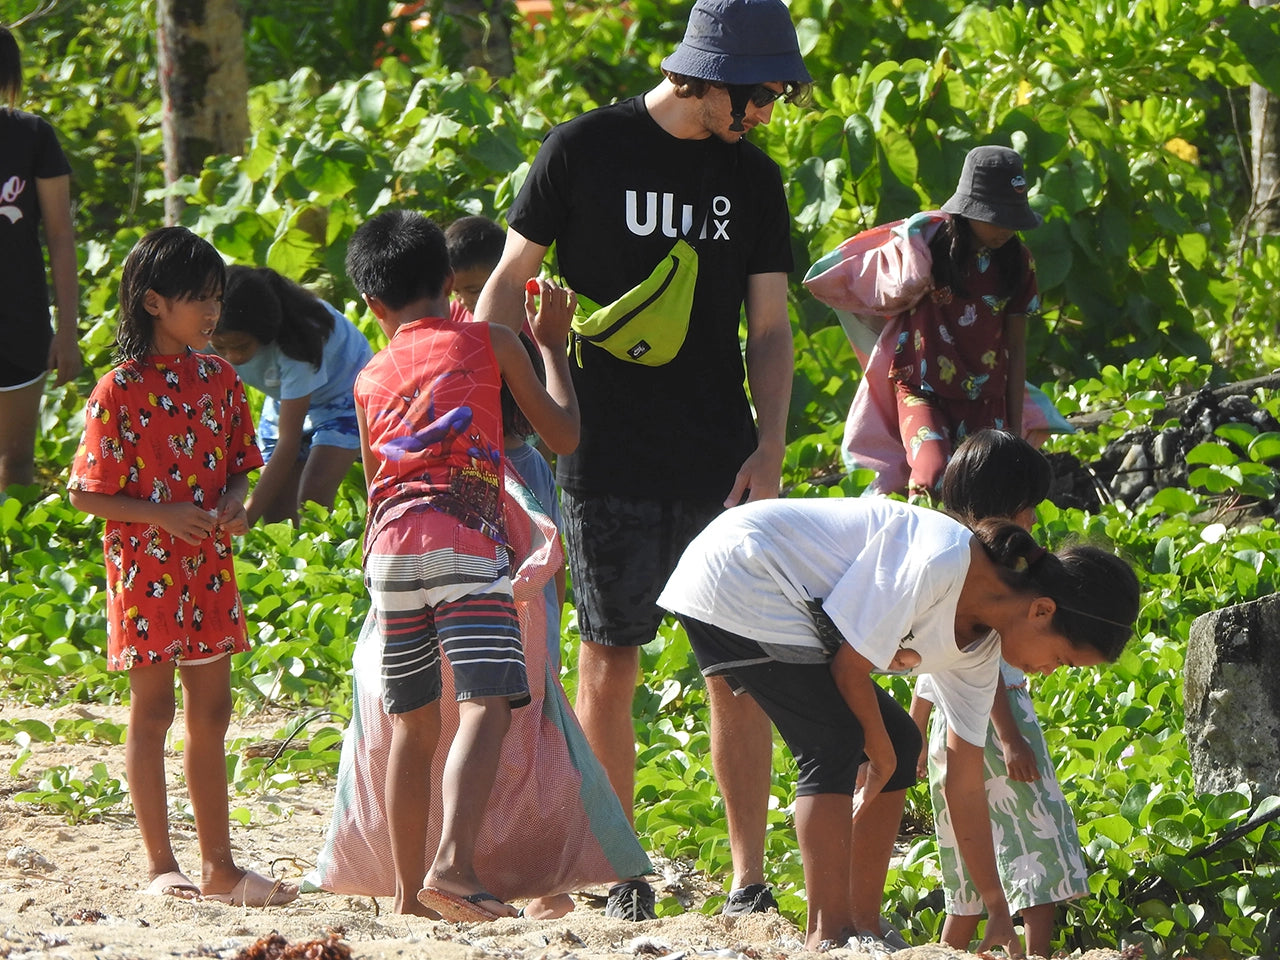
[
  {"x": 954, "y": 245},
  {"x": 1096, "y": 593},
  {"x": 273, "y": 309},
  {"x": 173, "y": 262},
  {"x": 398, "y": 257},
  {"x": 474, "y": 242},
  {"x": 994, "y": 474},
  {"x": 10, "y": 67},
  {"x": 513, "y": 418},
  {"x": 800, "y": 94}
]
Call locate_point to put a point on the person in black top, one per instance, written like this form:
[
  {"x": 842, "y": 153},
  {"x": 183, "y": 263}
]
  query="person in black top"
[
  {"x": 35, "y": 186},
  {"x": 665, "y": 448}
]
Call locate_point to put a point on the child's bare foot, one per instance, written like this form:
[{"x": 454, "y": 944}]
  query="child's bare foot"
[
  {"x": 410, "y": 906},
  {"x": 548, "y": 908},
  {"x": 255, "y": 890}
]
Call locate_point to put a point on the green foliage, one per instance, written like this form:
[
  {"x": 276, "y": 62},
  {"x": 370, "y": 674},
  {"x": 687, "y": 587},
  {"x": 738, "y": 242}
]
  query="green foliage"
[
  {"x": 334, "y": 38},
  {"x": 1152, "y": 282},
  {"x": 290, "y": 765},
  {"x": 76, "y": 796}
]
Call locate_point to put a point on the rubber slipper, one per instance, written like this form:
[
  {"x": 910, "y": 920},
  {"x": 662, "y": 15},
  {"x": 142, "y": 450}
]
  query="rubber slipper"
[
  {"x": 255, "y": 890},
  {"x": 457, "y": 908},
  {"x": 175, "y": 884}
]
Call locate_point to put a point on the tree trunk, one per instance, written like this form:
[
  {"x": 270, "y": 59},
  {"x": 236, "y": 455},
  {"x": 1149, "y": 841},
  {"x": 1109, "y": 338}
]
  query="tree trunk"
[
  {"x": 1264, "y": 122},
  {"x": 485, "y": 29},
  {"x": 204, "y": 86}
]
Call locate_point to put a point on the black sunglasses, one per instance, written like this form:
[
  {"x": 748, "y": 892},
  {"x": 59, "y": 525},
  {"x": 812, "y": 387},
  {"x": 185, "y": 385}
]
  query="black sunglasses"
[{"x": 757, "y": 93}]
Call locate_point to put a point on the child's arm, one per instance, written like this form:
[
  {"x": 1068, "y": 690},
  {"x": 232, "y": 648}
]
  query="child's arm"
[
  {"x": 277, "y": 473},
  {"x": 552, "y": 410},
  {"x": 852, "y": 673},
  {"x": 366, "y": 452},
  {"x": 1018, "y": 758},
  {"x": 966, "y": 795},
  {"x": 186, "y": 521},
  {"x": 920, "y": 710},
  {"x": 1015, "y": 339}
]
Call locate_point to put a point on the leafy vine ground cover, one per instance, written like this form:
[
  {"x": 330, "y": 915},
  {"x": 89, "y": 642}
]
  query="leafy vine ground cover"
[{"x": 1123, "y": 117}]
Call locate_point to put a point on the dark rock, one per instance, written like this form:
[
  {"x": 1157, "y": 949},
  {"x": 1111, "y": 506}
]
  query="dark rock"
[{"x": 1231, "y": 695}]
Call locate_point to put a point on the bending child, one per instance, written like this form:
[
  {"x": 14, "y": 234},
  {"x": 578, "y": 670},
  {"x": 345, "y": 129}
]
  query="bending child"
[
  {"x": 436, "y": 559},
  {"x": 960, "y": 363},
  {"x": 304, "y": 355},
  {"x": 798, "y": 602},
  {"x": 167, "y": 447},
  {"x": 1037, "y": 843}
]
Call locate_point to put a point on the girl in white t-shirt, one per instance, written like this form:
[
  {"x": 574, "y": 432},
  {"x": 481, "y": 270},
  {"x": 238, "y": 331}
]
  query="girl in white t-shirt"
[
  {"x": 1037, "y": 844},
  {"x": 798, "y": 602},
  {"x": 304, "y": 355}
]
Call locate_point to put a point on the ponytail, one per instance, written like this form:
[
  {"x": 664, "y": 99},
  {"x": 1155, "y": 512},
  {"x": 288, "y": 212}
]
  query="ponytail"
[{"x": 1096, "y": 593}]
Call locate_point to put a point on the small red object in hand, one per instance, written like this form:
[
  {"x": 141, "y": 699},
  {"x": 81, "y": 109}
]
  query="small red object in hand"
[{"x": 532, "y": 286}]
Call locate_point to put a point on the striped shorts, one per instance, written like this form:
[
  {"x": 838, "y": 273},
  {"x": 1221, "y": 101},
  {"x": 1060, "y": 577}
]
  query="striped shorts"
[{"x": 456, "y": 598}]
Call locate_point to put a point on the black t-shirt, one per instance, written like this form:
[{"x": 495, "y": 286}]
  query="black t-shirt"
[
  {"x": 28, "y": 151},
  {"x": 611, "y": 190}
]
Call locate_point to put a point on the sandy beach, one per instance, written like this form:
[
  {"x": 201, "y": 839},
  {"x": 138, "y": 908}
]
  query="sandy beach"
[{"x": 75, "y": 891}]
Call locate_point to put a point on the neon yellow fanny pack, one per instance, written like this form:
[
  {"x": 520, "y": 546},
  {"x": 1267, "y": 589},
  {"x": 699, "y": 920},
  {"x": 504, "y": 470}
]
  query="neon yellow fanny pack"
[{"x": 647, "y": 324}]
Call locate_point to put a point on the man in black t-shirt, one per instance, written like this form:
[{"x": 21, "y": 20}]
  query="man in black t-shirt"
[{"x": 666, "y": 448}]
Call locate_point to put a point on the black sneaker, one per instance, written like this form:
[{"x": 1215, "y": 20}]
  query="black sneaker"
[
  {"x": 753, "y": 898},
  {"x": 891, "y": 936},
  {"x": 630, "y": 900}
]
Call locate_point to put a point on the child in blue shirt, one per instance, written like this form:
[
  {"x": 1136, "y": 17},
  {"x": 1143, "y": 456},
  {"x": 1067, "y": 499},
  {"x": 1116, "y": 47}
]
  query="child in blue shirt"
[{"x": 304, "y": 355}]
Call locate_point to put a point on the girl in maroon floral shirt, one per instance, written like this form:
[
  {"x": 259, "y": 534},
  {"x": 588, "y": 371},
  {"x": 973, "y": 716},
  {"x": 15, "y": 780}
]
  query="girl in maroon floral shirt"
[
  {"x": 167, "y": 447},
  {"x": 960, "y": 360}
]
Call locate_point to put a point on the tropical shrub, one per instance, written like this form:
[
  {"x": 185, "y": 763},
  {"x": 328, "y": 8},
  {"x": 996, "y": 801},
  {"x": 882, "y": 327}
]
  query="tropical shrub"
[{"x": 1150, "y": 281}]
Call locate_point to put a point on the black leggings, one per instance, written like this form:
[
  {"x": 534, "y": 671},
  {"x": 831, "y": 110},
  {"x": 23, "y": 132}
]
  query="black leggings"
[{"x": 806, "y": 706}]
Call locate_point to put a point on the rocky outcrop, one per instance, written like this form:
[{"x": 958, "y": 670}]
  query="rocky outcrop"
[
  {"x": 1134, "y": 467},
  {"x": 1231, "y": 694}
]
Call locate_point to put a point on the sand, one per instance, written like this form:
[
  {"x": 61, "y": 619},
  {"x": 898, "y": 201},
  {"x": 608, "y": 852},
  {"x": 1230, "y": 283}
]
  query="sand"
[{"x": 75, "y": 891}]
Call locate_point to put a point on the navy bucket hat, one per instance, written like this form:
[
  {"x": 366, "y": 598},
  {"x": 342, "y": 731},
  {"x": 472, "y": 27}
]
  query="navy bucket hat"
[
  {"x": 739, "y": 42},
  {"x": 993, "y": 189}
]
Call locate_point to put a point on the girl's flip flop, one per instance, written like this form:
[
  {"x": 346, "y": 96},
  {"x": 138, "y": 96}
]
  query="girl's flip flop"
[{"x": 457, "y": 908}]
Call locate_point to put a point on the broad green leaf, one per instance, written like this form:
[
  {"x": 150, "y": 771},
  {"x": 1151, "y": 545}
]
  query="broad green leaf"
[
  {"x": 1175, "y": 500},
  {"x": 1211, "y": 453},
  {"x": 1264, "y": 447},
  {"x": 1241, "y": 434},
  {"x": 37, "y": 730},
  {"x": 860, "y": 140},
  {"x": 1163, "y": 560},
  {"x": 1195, "y": 248},
  {"x": 900, "y": 156},
  {"x": 1114, "y": 828},
  {"x": 1173, "y": 832},
  {"x": 370, "y": 100},
  {"x": 10, "y": 507}
]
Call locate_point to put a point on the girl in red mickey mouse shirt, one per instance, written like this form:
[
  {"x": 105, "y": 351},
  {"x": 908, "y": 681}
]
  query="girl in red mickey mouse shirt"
[{"x": 167, "y": 447}]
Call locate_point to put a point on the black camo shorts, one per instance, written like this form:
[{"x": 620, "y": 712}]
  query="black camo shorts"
[{"x": 621, "y": 552}]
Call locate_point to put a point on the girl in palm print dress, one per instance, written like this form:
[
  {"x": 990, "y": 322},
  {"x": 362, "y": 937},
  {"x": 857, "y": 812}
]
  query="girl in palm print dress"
[
  {"x": 1033, "y": 830},
  {"x": 960, "y": 361}
]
